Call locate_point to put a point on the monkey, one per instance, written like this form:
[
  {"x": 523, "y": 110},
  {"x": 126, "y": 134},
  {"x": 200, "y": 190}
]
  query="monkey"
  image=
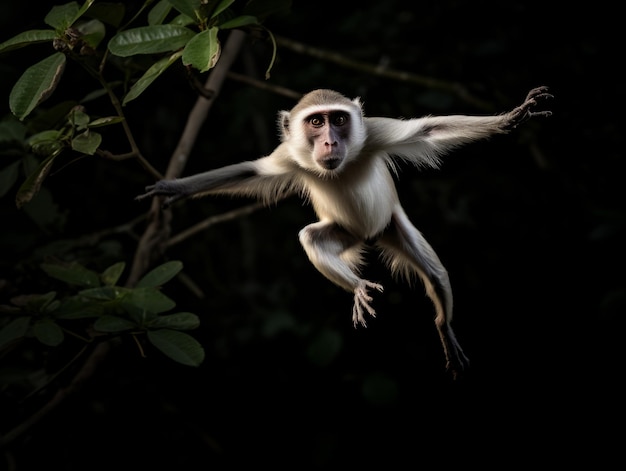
[{"x": 343, "y": 163}]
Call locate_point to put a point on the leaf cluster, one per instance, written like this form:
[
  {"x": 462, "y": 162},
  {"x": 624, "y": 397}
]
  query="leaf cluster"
[
  {"x": 99, "y": 36},
  {"x": 111, "y": 310}
]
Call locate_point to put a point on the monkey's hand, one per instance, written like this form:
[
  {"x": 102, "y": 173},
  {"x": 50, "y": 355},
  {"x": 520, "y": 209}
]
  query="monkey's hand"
[
  {"x": 362, "y": 302},
  {"x": 168, "y": 188},
  {"x": 525, "y": 111}
]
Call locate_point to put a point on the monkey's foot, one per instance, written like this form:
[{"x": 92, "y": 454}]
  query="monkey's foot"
[
  {"x": 456, "y": 361},
  {"x": 525, "y": 110},
  {"x": 362, "y": 302}
]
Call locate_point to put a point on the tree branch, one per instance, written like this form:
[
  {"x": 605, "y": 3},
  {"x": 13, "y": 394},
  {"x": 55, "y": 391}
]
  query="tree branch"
[
  {"x": 86, "y": 371},
  {"x": 210, "y": 221},
  {"x": 154, "y": 240},
  {"x": 450, "y": 87}
]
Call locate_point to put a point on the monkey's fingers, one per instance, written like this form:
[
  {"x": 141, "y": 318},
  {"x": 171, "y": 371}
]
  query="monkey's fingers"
[
  {"x": 540, "y": 113},
  {"x": 535, "y": 92},
  {"x": 523, "y": 112},
  {"x": 362, "y": 302},
  {"x": 148, "y": 194}
]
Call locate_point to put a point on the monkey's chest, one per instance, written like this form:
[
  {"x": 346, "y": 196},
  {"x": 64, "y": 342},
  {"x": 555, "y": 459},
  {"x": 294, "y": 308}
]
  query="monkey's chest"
[{"x": 361, "y": 205}]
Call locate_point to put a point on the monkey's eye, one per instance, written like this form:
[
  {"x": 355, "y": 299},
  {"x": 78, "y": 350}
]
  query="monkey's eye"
[
  {"x": 339, "y": 119},
  {"x": 316, "y": 120}
]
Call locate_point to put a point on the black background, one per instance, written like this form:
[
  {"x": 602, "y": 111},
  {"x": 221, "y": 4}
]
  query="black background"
[{"x": 530, "y": 226}]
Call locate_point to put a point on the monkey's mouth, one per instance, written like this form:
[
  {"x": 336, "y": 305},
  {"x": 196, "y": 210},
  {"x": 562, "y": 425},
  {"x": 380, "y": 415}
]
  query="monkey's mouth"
[{"x": 330, "y": 163}]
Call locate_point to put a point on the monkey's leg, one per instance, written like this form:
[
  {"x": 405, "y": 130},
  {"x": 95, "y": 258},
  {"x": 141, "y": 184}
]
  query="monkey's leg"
[
  {"x": 406, "y": 252},
  {"x": 337, "y": 255}
]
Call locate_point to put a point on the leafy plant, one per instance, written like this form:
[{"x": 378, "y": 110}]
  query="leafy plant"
[
  {"x": 95, "y": 36},
  {"x": 111, "y": 309}
]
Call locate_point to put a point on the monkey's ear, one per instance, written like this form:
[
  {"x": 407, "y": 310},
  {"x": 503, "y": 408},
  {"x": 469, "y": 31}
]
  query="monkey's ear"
[
  {"x": 283, "y": 124},
  {"x": 357, "y": 101}
]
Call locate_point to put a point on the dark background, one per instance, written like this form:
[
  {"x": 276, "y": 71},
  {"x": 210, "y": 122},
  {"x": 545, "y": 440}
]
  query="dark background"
[{"x": 530, "y": 226}]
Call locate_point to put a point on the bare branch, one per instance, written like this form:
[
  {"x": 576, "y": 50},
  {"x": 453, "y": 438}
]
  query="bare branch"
[
  {"x": 129, "y": 135},
  {"x": 277, "y": 89},
  {"x": 450, "y": 87},
  {"x": 208, "y": 222},
  {"x": 97, "y": 356},
  {"x": 199, "y": 112}
]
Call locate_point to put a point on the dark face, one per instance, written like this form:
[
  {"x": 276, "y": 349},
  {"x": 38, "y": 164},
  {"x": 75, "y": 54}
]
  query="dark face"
[{"x": 328, "y": 133}]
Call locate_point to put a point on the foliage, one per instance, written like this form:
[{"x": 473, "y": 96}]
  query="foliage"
[
  {"x": 111, "y": 309},
  {"x": 184, "y": 30},
  {"x": 124, "y": 52}
]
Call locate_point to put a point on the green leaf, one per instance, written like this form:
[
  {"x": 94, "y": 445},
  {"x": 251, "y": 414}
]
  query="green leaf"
[
  {"x": 178, "y": 321},
  {"x": 79, "y": 118},
  {"x": 12, "y": 131},
  {"x": 148, "y": 299},
  {"x": 182, "y": 20},
  {"x": 111, "y": 275},
  {"x": 160, "y": 275},
  {"x": 150, "y": 40},
  {"x": 159, "y": 12},
  {"x": 36, "y": 84},
  {"x": 48, "y": 332},
  {"x": 187, "y": 7},
  {"x": 203, "y": 51},
  {"x": 32, "y": 184},
  {"x": 60, "y": 17},
  {"x": 77, "y": 307},
  {"x": 25, "y": 38},
  {"x": 34, "y": 302},
  {"x": 223, "y": 5},
  {"x": 72, "y": 273},
  {"x": 83, "y": 9},
  {"x": 240, "y": 21},
  {"x": 106, "y": 121},
  {"x": 104, "y": 293},
  {"x": 14, "y": 330},
  {"x": 8, "y": 177},
  {"x": 93, "y": 32},
  {"x": 45, "y": 142},
  {"x": 178, "y": 346},
  {"x": 87, "y": 142},
  {"x": 111, "y": 324},
  {"x": 150, "y": 76}
]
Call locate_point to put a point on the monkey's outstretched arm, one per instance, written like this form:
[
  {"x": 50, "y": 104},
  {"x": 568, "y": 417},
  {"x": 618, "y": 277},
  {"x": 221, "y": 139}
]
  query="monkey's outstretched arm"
[
  {"x": 423, "y": 141},
  {"x": 264, "y": 179}
]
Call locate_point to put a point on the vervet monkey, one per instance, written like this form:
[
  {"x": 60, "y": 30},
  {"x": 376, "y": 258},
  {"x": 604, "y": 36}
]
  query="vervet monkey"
[{"x": 342, "y": 163}]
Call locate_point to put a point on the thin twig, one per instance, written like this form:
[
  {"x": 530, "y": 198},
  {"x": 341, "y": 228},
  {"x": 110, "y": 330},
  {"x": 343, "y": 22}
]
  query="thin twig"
[
  {"x": 97, "y": 355},
  {"x": 277, "y": 89},
  {"x": 127, "y": 131},
  {"x": 450, "y": 87},
  {"x": 210, "y": 221}
]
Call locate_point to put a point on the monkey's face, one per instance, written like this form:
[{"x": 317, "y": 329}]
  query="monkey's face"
[
  {"x": 324, "y": 132},
  {"x": 328, "y": 135}
]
